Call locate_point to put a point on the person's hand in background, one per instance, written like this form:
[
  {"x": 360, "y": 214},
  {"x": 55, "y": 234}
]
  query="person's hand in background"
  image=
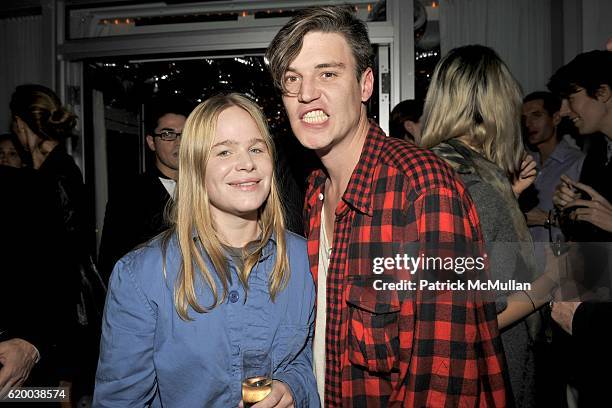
[{"x": 17, "y": 358}]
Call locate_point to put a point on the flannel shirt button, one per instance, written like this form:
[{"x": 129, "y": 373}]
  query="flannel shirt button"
[
  {"x": 320, "y": 196},
  {"x": 234, "y": 296}
]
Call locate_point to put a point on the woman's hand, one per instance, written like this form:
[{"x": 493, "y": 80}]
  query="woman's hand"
[
  {"x": 526, "y": 176},
  {"x": 17, "y": 357},
  {"x": 279, "y": 397}
]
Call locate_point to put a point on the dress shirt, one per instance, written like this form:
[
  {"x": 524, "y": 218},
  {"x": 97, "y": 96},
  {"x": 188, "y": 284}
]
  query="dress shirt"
[
  {"x": 381, "y": 350},
  {"x": 565, "y": 159},
  {"x": 149, "y": 355}
]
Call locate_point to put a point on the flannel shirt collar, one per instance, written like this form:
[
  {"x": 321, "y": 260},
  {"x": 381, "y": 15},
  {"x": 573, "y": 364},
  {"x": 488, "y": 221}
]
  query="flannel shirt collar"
[{"x": 358, "y": 191}]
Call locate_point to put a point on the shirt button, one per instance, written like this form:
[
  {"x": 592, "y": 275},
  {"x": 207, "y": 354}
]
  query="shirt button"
[
  {"x": 234, "y": 296},
  {"x": 320, "y": 196}
]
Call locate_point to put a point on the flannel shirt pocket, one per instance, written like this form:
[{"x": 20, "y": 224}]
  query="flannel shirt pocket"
[{"x": 373, "y": 338}]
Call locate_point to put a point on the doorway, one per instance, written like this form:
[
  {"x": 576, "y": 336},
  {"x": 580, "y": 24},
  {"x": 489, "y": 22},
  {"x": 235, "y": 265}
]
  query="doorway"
[{"x": 118, "y": 90}]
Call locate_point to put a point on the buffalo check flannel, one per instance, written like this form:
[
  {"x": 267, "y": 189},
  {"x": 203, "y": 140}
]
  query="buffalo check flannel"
[{"x": 384, "y": 350}]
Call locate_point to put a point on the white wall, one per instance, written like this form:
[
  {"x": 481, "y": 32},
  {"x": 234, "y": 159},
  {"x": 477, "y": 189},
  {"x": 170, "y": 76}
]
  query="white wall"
[
  {"x": 21, "y": 51},
  {"x": 596, "y": 24},
  {"x": 519, "y": 30}
]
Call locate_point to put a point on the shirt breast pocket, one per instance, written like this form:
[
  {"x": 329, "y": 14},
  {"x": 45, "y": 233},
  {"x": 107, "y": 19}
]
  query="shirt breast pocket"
[{"x": 373, "y": 333}]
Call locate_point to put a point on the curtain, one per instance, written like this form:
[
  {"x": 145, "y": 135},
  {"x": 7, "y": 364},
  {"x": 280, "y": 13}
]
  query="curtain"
[
  {"x": 21, "y": 51},
  {"x": 519, "y": 30},
  {"x": 597, "y": 24}
]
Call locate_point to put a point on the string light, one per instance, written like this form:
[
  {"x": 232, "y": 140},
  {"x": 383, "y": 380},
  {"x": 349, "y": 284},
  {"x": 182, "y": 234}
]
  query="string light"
[
  {"x": 117, "y": 21},
  {"x": 426, "y": 54}
]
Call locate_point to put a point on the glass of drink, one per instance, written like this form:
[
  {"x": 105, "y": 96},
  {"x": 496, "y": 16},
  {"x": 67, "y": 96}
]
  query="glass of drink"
[{"x": 256, "y": 376}]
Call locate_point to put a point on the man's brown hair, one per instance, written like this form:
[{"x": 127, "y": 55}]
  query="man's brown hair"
[{"x": 287, "y": 43}]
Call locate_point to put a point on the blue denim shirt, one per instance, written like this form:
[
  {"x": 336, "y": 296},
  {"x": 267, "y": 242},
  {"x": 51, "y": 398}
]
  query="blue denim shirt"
[{"x": 150, "y": 356}]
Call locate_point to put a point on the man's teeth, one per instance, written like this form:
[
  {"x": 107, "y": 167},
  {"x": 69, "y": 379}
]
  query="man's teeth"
[{"x": 316, "y": 116}]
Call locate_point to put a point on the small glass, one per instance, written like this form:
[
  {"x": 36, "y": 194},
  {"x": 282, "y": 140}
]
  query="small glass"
[{"x": 256, "y": 376}]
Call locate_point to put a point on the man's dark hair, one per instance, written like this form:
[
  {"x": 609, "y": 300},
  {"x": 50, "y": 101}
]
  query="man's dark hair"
[
  {"x": 162, "y": 106},
  {"x": 342, "y": 20},
  {"x": 551, "y": 102},
  {"x": 411, "y": 110},
  {"x": 589, "y": 70}
]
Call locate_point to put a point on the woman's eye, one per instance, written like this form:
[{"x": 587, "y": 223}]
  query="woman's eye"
[
  {"x": 223, "y": 153},
  {"x": 257, "y": 150}
]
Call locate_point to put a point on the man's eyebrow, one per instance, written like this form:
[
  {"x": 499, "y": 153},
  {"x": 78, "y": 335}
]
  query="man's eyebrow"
[
  {"x": 167, "y": 129},
  {"x": 340, "y": 65},
  {"x": 330, "y": 65}
]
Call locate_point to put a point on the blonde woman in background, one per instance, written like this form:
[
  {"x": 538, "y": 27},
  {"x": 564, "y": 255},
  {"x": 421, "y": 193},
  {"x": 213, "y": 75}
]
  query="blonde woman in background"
[
  {"x": 472, "y": 120},
  {"x": 225, "y": 278}
]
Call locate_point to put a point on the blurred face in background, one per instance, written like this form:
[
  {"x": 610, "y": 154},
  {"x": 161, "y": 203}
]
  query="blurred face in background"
[
  {"x": 9, "y": 155},
  {"x": 166, "y": 151},
  {"x": 539, "y": 125},
  {"x": 413, "y": 129}
]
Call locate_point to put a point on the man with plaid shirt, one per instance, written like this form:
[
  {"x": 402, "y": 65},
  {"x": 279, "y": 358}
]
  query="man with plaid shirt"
[{"x": 378, "y": 348}]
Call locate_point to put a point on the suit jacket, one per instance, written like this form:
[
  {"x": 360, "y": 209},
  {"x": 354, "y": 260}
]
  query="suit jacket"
[
  {"x": 133, "y": 217},
  {"x": 592, "y": 334}
]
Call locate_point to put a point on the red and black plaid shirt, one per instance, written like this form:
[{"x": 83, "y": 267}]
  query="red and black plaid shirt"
[{"x": 381, "y": 350}]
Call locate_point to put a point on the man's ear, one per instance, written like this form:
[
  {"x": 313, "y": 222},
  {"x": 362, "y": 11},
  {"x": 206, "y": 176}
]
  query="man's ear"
[
  {"x": 150, "y": 142},
  {"x": 603, "y": 94},
  {"x": 556, "y": 118},
  {"x": 367, "y": 84}
]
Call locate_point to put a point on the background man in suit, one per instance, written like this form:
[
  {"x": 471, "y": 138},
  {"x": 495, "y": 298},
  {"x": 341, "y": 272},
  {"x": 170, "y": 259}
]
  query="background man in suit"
[{"x": 136, "y": 214}]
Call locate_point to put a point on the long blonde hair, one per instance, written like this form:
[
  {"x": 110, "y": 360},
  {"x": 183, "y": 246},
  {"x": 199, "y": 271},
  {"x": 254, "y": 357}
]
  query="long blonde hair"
[
  {"x": 473, "y": 94},
  {"x": 191, "y": 218}
]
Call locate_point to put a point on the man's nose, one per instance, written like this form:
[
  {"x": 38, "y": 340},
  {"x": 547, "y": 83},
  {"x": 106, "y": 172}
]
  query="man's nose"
[
  {"x": 565, "y": 108},
  {"x": 309, "y": 91}
]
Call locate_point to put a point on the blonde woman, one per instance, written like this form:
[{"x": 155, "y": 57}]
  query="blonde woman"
[
  {"x": 472, "y": 120},
  {"x": 225, "y": 278}
]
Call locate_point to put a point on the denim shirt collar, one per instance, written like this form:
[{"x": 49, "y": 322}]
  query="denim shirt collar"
[{"x": 268, "y": 250}]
